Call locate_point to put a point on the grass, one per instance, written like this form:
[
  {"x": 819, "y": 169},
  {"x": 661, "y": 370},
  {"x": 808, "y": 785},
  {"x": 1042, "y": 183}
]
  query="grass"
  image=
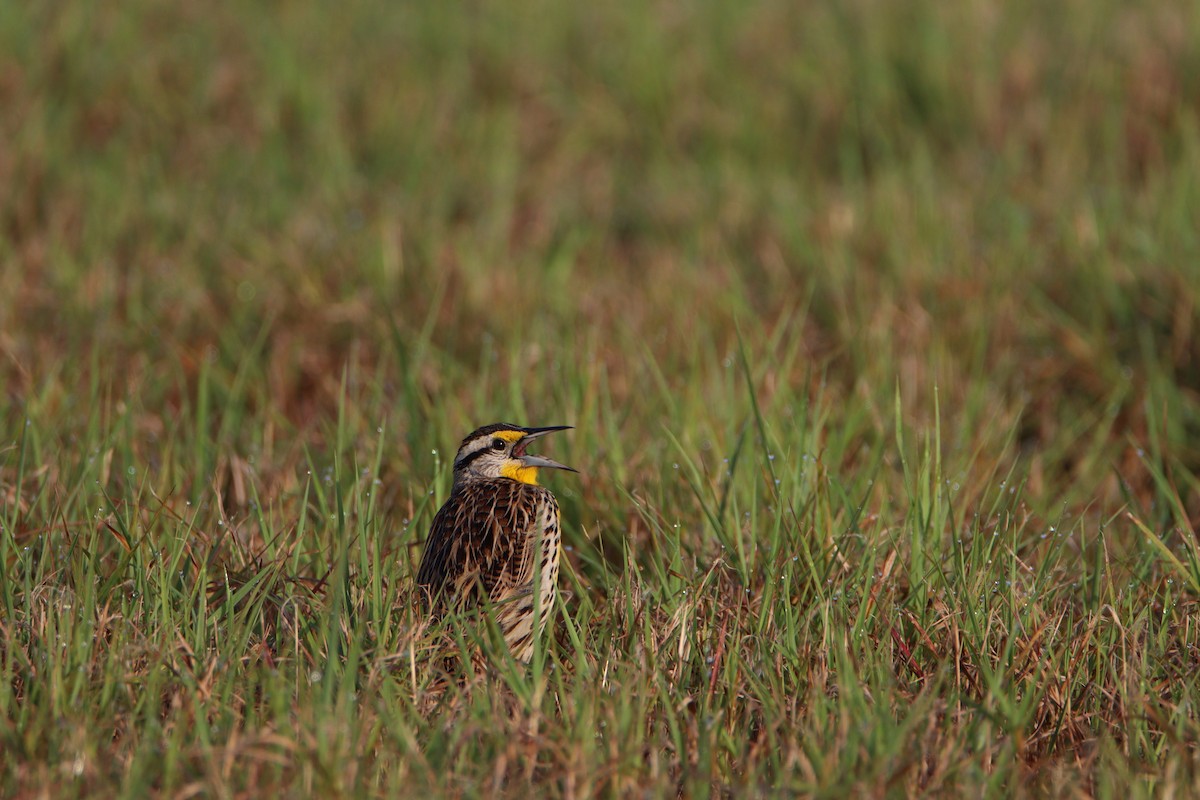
[{"x": 878, "y": 325}]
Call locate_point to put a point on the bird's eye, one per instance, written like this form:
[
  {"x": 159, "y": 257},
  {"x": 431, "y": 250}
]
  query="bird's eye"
[{"x": 497, "y": 444}]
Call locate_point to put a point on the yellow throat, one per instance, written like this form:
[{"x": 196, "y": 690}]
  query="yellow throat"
[{"x": 518, "y": 472}]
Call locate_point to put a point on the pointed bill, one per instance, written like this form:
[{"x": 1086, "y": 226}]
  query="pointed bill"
[
  {"x": 537, "y": 433},
  {"x": 542, "y": 461},
  {"x": 539, "y": 461}
]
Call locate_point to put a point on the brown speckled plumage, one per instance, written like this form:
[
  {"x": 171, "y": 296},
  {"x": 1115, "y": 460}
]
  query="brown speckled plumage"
[{"x": 495, "y": 534}]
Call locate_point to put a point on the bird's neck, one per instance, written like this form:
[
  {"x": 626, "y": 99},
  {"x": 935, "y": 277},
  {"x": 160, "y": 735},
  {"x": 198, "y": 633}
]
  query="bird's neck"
[{"x": 514, "y": 472}]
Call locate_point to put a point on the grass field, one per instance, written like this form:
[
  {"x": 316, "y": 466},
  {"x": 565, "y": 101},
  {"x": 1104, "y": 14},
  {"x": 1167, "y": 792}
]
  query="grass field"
[{"x": 878, "y": 324}]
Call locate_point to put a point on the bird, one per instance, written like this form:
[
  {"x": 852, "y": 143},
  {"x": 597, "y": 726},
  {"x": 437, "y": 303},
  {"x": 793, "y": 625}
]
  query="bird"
[{"x": 497, "y": 532}]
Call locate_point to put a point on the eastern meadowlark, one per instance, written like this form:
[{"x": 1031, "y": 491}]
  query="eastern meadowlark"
[{"x": 495, "y": 533}]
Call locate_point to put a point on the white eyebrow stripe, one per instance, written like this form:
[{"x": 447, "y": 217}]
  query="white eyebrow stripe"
[{"x": 474, "y": 447}]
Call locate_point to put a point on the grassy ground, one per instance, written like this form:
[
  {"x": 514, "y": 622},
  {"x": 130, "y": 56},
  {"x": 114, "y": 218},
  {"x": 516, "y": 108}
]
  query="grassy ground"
[{"x": 879, "y": 324}]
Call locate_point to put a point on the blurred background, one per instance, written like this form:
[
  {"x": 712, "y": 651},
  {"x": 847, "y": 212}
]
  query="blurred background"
[{"x": 479, "y": 210}]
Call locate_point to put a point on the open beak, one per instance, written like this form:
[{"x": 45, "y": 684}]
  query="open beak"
[{"x": 539, "y": 461}]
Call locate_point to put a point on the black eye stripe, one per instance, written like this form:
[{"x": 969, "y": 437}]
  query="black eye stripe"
[
  {"x": 497, "y": 444},
  {"x": 483, "y": 451}
]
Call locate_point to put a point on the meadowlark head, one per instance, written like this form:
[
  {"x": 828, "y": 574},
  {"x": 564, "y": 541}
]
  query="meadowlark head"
[{"x": 498, "y": 451}]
